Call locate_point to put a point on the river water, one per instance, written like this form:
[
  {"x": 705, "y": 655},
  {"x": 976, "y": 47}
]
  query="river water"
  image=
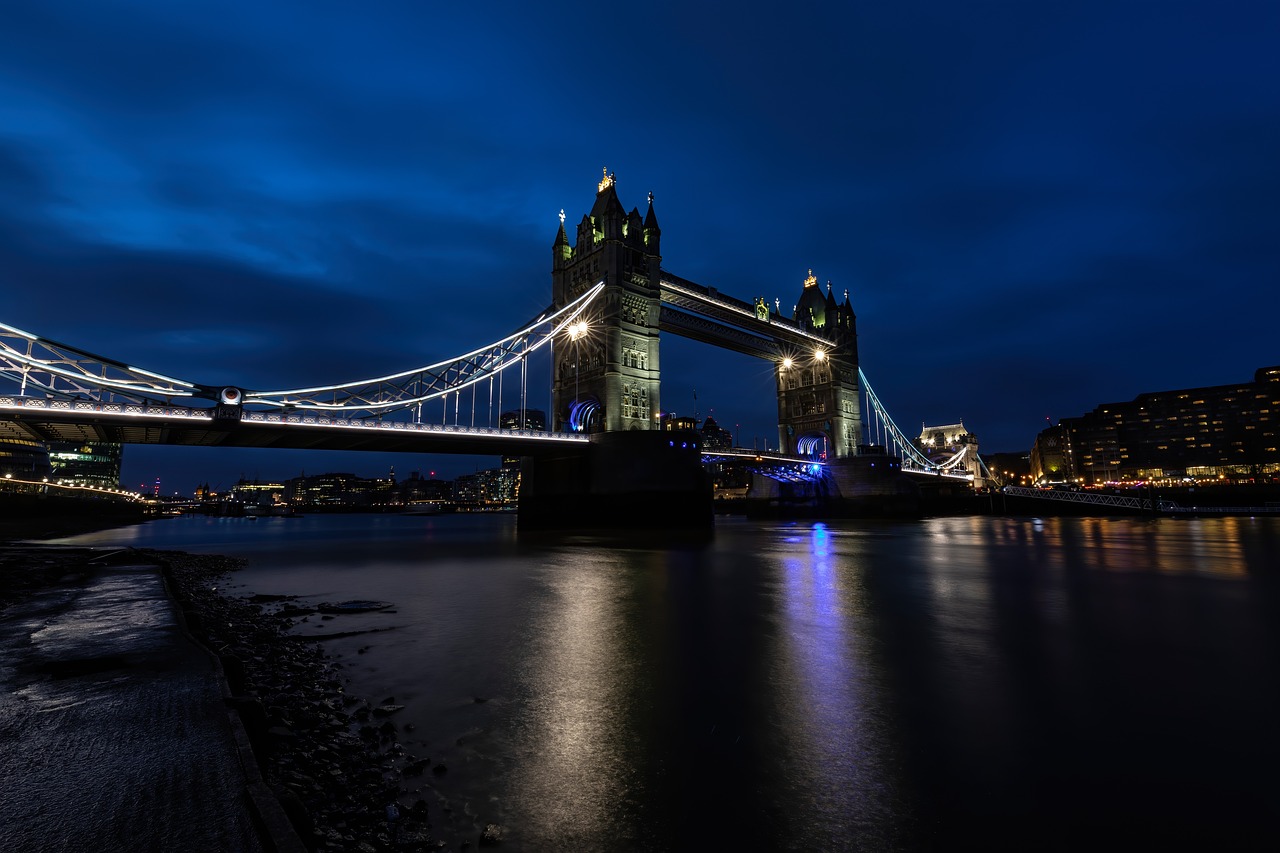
[{"x": 954, "y": 683}]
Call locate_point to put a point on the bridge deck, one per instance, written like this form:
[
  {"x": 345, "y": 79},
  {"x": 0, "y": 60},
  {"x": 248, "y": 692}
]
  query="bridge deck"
[{"x": 46, "y": 420}]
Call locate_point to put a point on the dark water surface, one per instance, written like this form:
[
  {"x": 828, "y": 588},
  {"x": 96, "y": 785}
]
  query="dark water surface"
[{"x": 960, "y": 683}]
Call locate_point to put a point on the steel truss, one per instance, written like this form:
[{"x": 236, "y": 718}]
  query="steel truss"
[
  {"x": 912, "y": 457},
  {"x": 38, "y": 368},
  {"x": 413, "y": 387}
]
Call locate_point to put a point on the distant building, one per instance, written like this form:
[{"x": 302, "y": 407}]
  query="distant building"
[
  {"x": 1050, "y": 460},
  {"x": 1220, "y": 433},
  {"x": 90, "y": 463},
  {"x": 256, "y": 493},
  {"x": 952, "y": 445},
  {"x": 495, "y": 488},
  {"x": 524, "y": 419},
  {"x": 714, "y": 436},
  {"x": 674, "y": 422},
  {"x": 339, "y": 489},
  {"x": 417, "y": 489}
]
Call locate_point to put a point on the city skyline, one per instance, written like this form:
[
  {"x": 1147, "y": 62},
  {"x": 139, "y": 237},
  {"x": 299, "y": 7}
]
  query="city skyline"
[{"x": 1034, "y": 210}]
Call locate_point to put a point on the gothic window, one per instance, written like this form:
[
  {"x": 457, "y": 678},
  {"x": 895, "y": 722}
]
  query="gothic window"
[{"x": 627, "y": 402}]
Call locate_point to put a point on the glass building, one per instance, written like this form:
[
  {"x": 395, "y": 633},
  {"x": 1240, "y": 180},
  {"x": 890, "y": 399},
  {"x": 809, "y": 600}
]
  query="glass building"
[{"x": 90, "y": 463}]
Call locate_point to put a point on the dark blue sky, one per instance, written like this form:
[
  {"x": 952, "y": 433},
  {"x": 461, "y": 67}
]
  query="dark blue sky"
[{"x": 1035, "y": 207}]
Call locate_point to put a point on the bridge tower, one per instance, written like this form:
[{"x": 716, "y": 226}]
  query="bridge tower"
[
  {"x": 606, "y": 376},
  {"x": 819, "y": 404}
]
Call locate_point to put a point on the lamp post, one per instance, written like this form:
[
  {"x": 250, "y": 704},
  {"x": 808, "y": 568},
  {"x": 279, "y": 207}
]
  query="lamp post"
[{"x": 576, "y": 332}]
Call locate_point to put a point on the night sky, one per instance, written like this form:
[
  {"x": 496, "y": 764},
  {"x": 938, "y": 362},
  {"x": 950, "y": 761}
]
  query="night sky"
[{"x": 1035, "y": 207}]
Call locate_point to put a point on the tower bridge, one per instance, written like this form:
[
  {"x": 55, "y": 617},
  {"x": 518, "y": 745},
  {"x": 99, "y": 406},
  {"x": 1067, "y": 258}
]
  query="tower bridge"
[{"x": 611, "y": 303}]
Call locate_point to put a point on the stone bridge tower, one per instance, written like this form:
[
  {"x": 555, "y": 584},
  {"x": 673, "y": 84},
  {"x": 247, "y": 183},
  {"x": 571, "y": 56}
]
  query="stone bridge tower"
[
  {"x": 606, "y": 377},
  {"x": 819, "y": 404}
]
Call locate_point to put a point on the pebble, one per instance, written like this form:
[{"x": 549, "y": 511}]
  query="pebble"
[{"x": 311, "y": 738}]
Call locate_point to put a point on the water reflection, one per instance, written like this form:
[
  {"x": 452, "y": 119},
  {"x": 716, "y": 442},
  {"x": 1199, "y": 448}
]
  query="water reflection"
[
  {"x": 951, "y": 683},
  {"x": 825, "y": 699},
  {"x": 568, "y": 771}
]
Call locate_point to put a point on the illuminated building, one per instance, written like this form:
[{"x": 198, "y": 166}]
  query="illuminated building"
[
  {"x": 1049, "y": 458},
  {"x": 943, "y": 444},
  {"x": 494, "y": 488},
  {"x": 1221, "y": 433},
  {"x": 339, "y": 489},
  {"x": 606, "y": 375},
  {"x": 90, "y": 463}
]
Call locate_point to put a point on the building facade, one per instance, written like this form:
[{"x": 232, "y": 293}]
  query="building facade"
[
  {"x": 91, "y": 463},
  {"x": 1219, "y": 433}
]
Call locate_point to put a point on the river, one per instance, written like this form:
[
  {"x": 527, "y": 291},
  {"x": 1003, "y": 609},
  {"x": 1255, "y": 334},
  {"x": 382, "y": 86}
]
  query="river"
[{"x": 951, "y": 683}]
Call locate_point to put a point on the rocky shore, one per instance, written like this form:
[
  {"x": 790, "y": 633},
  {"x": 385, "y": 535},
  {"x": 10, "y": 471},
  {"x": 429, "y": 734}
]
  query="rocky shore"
[{"x": 333, "y": 760}]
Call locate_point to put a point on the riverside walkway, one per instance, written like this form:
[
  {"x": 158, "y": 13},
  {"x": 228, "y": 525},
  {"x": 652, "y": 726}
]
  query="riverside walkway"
[{"x": 114, "y": 733}]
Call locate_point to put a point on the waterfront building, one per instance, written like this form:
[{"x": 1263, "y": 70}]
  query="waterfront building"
[
  {"x": 255, "y": 493},
  {"x": 1221, "y": 433},
  {"x": 339, "y": 489},
  {"x": 89, "y": 463},
  {"x": 1049, "y": 457},
  {"x": 495, "y": 488}
]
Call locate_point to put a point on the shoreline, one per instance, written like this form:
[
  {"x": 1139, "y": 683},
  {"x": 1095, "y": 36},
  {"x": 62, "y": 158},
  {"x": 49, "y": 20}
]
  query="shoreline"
[{"x": 321, "y": 766}]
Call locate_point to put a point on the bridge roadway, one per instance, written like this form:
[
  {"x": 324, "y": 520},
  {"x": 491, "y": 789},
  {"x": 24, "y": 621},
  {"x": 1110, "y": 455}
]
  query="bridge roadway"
[{"x": 39, "y": 419}]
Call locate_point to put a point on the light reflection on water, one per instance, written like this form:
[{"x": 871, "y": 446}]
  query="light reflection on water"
[{"x": 847, "y": 685}]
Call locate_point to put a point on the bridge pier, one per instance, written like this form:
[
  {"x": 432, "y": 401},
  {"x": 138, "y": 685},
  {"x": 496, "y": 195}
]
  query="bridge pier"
[
  {"x": 622, "y": 480},
  {"x": 870, "y": 484}
]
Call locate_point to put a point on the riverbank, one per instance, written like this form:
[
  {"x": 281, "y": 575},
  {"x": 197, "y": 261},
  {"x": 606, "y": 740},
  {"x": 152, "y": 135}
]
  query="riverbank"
[
  {"x": 48, "y": 517},
  {"x": 332, "y": 761}
]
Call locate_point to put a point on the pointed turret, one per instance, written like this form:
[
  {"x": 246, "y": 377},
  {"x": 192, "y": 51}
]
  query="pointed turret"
[
  {"x": 635, "y": 229},
  {"x": 560, "y": 249},
  {"x": 607, "y": 213},
  {"x": 652, "y": 233},
  {"x": 811, "y": 308}
]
